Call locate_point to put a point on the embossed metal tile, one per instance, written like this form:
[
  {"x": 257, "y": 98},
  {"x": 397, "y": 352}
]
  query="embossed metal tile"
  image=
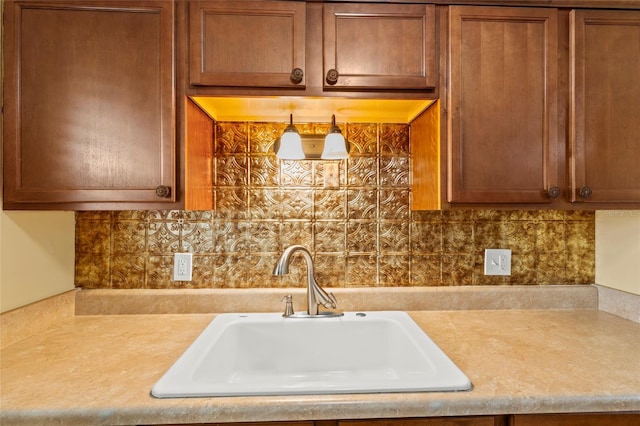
[
  {"x": 363, "y": 139},
  {"x": 231, "y": 138},
  {"x": 263, "y": 135},
  {"x": 363, "y": 172},
  {"x": 330, "y": 204},
  {"x": 231, "y": 171},
  {"x": 359, "y": 236},
  {"x": 394, "y": 270},
  {"x": 394, "y": 140},
  {"x": 264, "y": 171}
]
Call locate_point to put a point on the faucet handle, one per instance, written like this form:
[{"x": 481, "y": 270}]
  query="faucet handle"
[
  {"x": 288, "y": 309},
  {"x": 332, "y": 302}
]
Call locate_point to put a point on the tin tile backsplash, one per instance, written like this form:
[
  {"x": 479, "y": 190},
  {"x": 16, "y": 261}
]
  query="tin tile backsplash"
[{"x": 360, "y": 228}]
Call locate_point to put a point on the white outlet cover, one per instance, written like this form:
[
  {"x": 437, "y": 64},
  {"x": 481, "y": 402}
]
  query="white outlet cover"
[
  {"x": 182, "y": 266},
  {"x": 497, "y": 262}
]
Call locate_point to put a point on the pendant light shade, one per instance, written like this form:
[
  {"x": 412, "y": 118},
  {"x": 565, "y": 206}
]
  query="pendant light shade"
[
  {"x": 335, "y": 147},
  {"x": 290, "y": 146}
]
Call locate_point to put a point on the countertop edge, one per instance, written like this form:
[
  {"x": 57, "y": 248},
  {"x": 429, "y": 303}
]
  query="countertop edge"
[{"x": 322, "y": 409}]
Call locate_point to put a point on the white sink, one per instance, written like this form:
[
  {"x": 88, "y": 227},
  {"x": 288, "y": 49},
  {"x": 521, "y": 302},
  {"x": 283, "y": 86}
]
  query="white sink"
[{"x": 266, "y": 354}]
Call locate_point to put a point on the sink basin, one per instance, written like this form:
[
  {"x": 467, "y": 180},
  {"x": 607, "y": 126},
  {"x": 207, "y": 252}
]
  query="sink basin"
[{"x": 266, "y": 354}]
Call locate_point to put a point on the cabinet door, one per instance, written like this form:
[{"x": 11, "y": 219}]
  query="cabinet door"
[
  {"x": 89, "y": 108},
  {"x": 605, "y": 106},
  {"x": 502, "y": 118},
  {"x": 302, "y": 423},
  {"x": 247, "y": 43},
  {"x": 599, "y": 419},
  {"x": 437, "y": 421},
  {"x": 379, "y": 46}
]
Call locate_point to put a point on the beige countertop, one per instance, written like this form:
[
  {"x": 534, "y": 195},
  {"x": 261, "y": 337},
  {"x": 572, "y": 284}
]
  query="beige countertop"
[{"x": 99, "y": 369}]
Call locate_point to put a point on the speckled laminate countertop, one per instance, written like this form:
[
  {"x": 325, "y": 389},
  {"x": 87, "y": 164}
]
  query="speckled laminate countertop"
[{"x": 99, "y": 369}]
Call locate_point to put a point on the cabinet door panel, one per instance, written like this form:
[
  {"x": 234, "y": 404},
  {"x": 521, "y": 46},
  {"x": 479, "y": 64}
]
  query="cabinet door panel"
[
  {"x": 246, "y": 44},
  {"x": 438, "y": 421},
  {"x": 380, "y": 46},
  {"x": 308, "y": 423},
  {"x": 603, "y": 419},
  {"x": 503, "y": 105},
  {"x": 605, "y": 105},
  {"x": 89, "y": 111}
]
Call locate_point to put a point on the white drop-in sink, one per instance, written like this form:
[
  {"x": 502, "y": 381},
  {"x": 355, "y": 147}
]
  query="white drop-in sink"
[{"x": 266, "y": 354}]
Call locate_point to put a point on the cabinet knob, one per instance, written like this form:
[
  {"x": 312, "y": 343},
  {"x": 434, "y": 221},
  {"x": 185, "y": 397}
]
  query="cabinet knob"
[
  {"x": 332, "y": 76},
  {"x": 163, "y": 191},
  {"x": 585, "y": 192},
  {"x": 296, "y": 75},
  {"x": 553, "y": 192}
]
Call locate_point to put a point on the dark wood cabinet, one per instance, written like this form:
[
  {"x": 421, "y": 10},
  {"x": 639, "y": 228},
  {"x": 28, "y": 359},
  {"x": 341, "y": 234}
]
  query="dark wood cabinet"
[
  {"x": 538, "y": 107},
  {"x": 379, "y": 46},
  {"x": 307, "y": 423},
  {"x": 577, "y": 419},
  {"x": 502, "y": 113},
  {"x": 604, "y": 123},
  {"x": 89, "y": 110},
  {"x": 247, "y": 43},
  {"x": 436, "y": 421},
  {"x": 293, "y": 45}
]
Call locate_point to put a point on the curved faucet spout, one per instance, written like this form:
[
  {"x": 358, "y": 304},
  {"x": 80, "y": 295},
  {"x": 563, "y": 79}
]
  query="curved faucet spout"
[{"x": 315, "y": 294}]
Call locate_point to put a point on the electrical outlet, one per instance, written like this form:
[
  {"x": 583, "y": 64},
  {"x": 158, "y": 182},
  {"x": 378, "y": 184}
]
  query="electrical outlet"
[
  {"x": 497, "y": 262},
  {"x": 182, "y": 267}
]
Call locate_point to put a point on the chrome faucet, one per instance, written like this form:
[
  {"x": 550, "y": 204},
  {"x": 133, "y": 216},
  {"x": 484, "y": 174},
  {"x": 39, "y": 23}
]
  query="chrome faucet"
[{"x": 315, "y": 294}]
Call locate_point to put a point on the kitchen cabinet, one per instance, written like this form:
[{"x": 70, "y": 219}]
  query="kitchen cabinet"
[
  {"x": 502, "y": 112},
  {"x": 379, "y": 46},
  {"x": 437, "y": 421},
  {"x": 308, "y": 423},
  {"x": 249, "y": 43},
  {"x": 289, "y": 45},
  {"x": 597, "y": 419},
  {"x": 86, "y": 122},
  {"x": 590, "y": 419},
  {"x": 605, "y": 106}
]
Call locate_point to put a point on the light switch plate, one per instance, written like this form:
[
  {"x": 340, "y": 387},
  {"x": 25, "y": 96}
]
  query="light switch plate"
[
  {"x": 331, "y": 175},
  {"x": 497, "y": 262}
]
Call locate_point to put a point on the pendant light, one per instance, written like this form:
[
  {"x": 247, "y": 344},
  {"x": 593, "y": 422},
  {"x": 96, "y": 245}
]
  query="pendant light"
[
  {"x": 290, "y": 146},
  {"x": 335, "y": 147}
]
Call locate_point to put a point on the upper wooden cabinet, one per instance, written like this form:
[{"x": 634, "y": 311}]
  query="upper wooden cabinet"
[
  {"x": 604, "y": 124},
  {"x": 379, "y": 46},
  {"x": 247, "y": 43},
  {"x": 279, "y": 44},
  {"x": 502, "y": 122},
  {"x": 89, "y": 107}
]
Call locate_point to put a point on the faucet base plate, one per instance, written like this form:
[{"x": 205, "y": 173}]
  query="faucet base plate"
[{"x": 326, "y": 314}]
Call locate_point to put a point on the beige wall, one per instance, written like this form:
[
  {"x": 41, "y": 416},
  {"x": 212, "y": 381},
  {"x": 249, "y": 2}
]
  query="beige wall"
[
  {"x": 36, "y": 256},
  {"x": 36, "y": 251},
  {"x": 618, "y": 249}
]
